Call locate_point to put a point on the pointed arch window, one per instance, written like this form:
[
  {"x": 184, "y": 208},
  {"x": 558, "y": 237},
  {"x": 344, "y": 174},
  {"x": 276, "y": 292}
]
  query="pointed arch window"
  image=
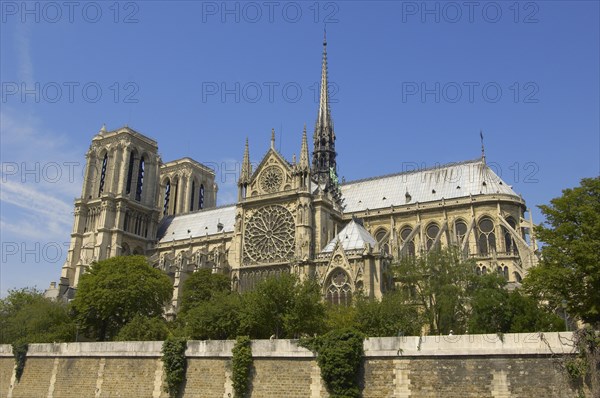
[
  {"x": 509, "y": 242},
  {"x": 176, "y": 194},
  {"x": 166, "y": 200},
  {"x": 432, "y": 232},
  {"x": 339, "y": 291},
  {"x": 201, "y": 197},
  {"x": 140, "y": 180},
  {"x": 103, "y": 174},
  {"x": 192, "y": 199},
  {"x": 126, "y": 221},
  {"x": 130, "y": 172},
  {"x": 409, "y": 246},
  {"x": 460, "y": 228},
  {"x": 486, "y": 240},
  {"x": 381, "y": 238}
]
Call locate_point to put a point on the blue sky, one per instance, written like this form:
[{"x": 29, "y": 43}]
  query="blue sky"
[{"x": 414, "y": 83}]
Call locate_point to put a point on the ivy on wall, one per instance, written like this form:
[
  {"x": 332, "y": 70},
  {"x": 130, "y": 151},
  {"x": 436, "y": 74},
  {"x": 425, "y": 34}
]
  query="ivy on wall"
[
  {"x": 19, "y": 349},
  {"x": 241, "y": 363},
  {"x": 174, "y": 361},
  {"x": 339, "y": 355},
  {"x": 585, "y": 367}
]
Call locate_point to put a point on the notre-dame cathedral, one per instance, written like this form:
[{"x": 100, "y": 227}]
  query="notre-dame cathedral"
[{"x": 290, "y": 216}]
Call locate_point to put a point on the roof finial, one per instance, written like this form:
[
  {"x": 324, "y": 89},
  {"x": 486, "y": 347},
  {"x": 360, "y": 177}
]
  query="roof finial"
[
  {"x": 246, "y": 168},
  {"x": 103, "y": 129},
  {"x": 325, "y": 34},
  {"x": 482, "y": 146},
  {"x": 304, "y": 152},
  {"x": 273, "y": 139}
]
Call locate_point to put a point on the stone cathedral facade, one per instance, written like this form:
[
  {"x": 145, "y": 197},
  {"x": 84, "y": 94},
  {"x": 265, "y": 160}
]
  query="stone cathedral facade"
[{"x": 290, "y": 216}]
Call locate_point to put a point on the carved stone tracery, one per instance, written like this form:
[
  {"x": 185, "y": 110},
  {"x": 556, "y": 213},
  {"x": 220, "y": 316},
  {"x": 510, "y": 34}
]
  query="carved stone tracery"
[{"x": 269, "y": 235}]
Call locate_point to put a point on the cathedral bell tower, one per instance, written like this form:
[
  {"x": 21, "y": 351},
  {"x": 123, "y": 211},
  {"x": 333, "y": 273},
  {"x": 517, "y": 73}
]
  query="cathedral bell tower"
[
  {"x": 116, "y": 213},
  {"x": 324, "y": 167}
]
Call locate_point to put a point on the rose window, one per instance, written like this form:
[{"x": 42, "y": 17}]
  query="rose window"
[
  {"x": 269, "y": 235},
  {"x": 271, "y": 179}
]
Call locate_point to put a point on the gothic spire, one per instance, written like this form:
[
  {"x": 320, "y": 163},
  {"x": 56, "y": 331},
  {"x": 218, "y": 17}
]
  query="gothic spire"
[
  {"x": 323, "y": 161},
  {"x": 245, "y": 173},
  {"x": 324, "y": 117},
  {"x": 304, "y": 165}
]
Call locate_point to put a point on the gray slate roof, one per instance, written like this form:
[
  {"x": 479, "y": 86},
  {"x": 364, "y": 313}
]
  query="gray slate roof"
[
  {"x": 199, "y": 223},
  {"x": 449, "y": 181},
  {"x": 353, "y": 237}
]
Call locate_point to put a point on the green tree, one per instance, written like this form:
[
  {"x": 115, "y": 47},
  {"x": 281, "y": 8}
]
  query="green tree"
[
  {"x": 439, "y": 282},
  {"x": 569, "y": 270},
  {"x": 391, "y": 316},
  {"x": 27, "y": 315},
  {"x": 217, "y": 319},
  {"x": 114, "y": 291},
  {"x": 490, "y": 312},
  {"x": 284, "y": 307},
  {"x": 528, "y": 315},
  {"x": 202, "y": 286},
  {"x": 497, "y": 310},
  {"x": 340, "y": 317},
  {"x": 143, "y": 328}
]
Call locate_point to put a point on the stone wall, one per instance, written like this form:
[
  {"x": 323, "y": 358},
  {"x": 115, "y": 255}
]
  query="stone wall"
[{"x": 519, "y": 365}]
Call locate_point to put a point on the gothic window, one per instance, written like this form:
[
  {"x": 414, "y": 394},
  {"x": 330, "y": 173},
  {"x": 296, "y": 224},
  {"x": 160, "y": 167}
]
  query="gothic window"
[
  {"x": 130, "y": 172},
  {"x": 432, "y": 232},
  {"x": 140, "y": 180},
  {"x": 271, "y": 179},
  {"x": 518, "y": 277},
  {"x": 409, "y": 246},
  {"x": 269, "y": 235},
  {"x": 103, "y": 174},
  {"x": 175, "y": 196},
  {"x": 339, "y": 291},
  {"x": 126, "y": 220},
  {"x": 193, "y": 195},
  {"x": 125, "y": 251},
  {"x": 380, "y": 236},
  {"x": 167, "y": 194},
  {"x": 486, "y": 240},
  {"x": 460, "y": 227},
  {"x": 509, "y": 242},
  {"x": 201, "y": 197}
]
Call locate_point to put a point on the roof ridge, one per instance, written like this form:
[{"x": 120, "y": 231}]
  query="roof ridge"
[
  {"x": 408, "y": 172},
  {"x": 172, "y": 216}
]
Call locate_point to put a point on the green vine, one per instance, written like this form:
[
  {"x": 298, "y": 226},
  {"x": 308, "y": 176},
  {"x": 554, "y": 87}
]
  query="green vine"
[
  {"x": 585, "y": 367},
  {"x": 19, "y": 349},
  {"x": 241, "y": 362},
  {"x": 173, "y": 357},
  {"x": 339, "y": 355}
]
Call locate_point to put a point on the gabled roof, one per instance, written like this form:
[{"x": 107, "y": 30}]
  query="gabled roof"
[
  {"x": 450, "y": 181},
  {"x": 198, "y": 223},
  {"x": 353, "y": 237}
]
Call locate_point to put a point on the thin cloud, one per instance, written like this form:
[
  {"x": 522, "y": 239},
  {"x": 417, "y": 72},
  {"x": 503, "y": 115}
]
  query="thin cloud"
[{"x": 23, "y": 46}]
